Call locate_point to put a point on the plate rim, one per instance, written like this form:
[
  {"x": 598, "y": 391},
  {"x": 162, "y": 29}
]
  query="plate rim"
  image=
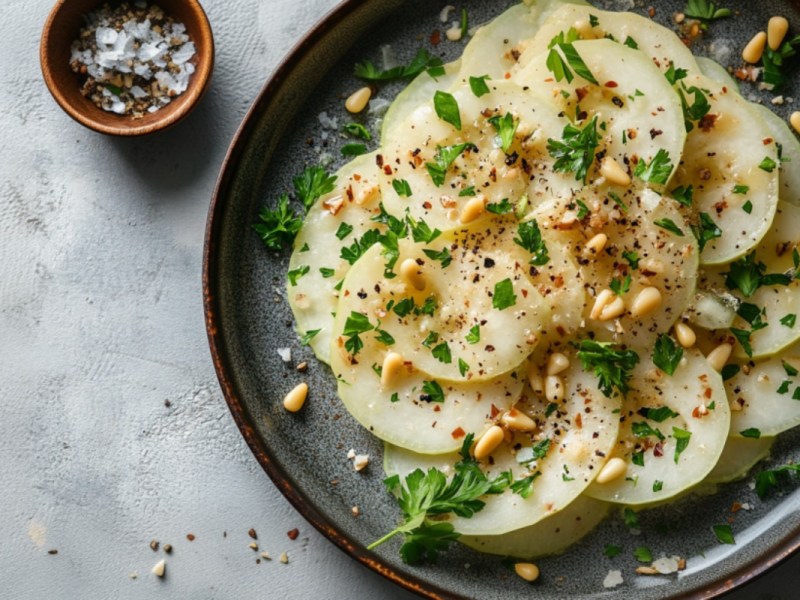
[{"x": 335, "y": 17}]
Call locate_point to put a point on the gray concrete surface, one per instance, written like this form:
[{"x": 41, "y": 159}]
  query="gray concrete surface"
[{"x": 113, "y": 431}]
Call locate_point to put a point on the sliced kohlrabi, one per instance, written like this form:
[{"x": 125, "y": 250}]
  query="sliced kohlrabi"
[{"x": 739, "y": 456}]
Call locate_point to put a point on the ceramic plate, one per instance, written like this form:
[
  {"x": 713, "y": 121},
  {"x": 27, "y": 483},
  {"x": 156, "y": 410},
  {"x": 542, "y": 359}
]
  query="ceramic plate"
[{"x": 306, "y": 453}]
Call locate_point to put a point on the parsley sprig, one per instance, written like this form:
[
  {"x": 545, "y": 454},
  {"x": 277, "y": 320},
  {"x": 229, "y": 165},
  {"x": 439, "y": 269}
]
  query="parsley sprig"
[
  {"x": 574, "y": 153},
  {"x": 424, "y": 495},
  {"x": 611, "y": 365},
  {"x": 279, "y": 226},
  {"x": 747, "y": 275},
  {"x": 530, "y": 238},
  {"x": 706, "y": 10},
  {"x": 445, "y": 156},
  {"x": 421, "y": 62}
]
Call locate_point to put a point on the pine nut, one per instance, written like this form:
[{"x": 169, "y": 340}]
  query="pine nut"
[
  {"x": 294, "y": 400},
  {"x": 472, "y": 210},
  {"x": 600, "y": 302},
  {"x": 392, "y": 364},
  {"x": 557, "y": 363},
  {"x": 553, "y": 388},
  {"x": 518, "y": 421},
  {"x": 612, "y": 310},
  {"x": 160, "y": 568},
  {"x": 528, "y": 571},
  {"x": 358, "y": 100},
  {"x": 612, "y": 470},
  {"x": 776, "y": 31},
  {"x": 719, "y": 356},
  {"x": 648, "y": 300},
  {"x": 535, "y": 379},
  {"x": 755, "y": 48},
  {"x": 489, "y": 442},
  {"x": 795, "y": 121},
  {"x": 685, "y": 334},
  {"x": 410, "y": 271},
  {"x": 613, "y": 172},
  {"x": 595, "y": 245}
]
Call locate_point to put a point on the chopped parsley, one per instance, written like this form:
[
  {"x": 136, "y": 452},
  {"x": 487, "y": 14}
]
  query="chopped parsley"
[
  {"x": 682, "y": 438},
  {"x": 643, "y": 554},
  {"x": 474, "y": 335},
  {"x": 729, "y": 371},
  {"x": 658, "y": 171},
  {"x": 402, "y": 187},
  {"x": 611, "y": 550},
  {"x": 279, "y": 226},
  {"x": 442, "y": 353},
  {"x": 504, "y": 295},
  {"x": 767, "y": 481},
  {"x": 463, "y": 367},
  {"x": 705, "y": 230},
  {"x": 326, "y": 272},
  {"x": 747, "y": 207},
  {"x": 643, "y": 430},
  {"x": 500, "y": 208},
  {"x": 751, "y": 432},
  {"x": 669, "y": 225},
  {"x": 674, "y": 75},
  {"x": 357, "y": 130},
  {"x": 789, "y": 320},
  {"x": 530, "y": 238},
  {"x": 705, "y": 10},
  {"x": 478, "y": 85},
  {"x": 308, "y": 336},
  {"x": 443, "y": 256},
  {"x": 353, "y": 149},
  {"x": 724, "y": 534},
  {"x": 741, "y": 189},
  {"x": 620, "y": 286},
  {"x": 747, "y": 275},
  {"x": 356, "y": 324},
  {"x": 506, "y": 127},
  {"x": 630, "y": 518},
  {"x": 574, "y": 153},
  {"x": 767, "y": 165},
  {"x": 432, "y": 392},
  {"x": 344, "y": 230},
  {"x": 445, "y": 156},
  {"x": 355, "y": 250},
  {"x": 632, "y": 258},
  {"x": 775, "y": 60},
  {"x": 561, "y": 67},
  {"x": 683, "y": 194},
  {"x": 421, "y": 62},
  {"x": 611, "y": 365},
  {"x": 446, "y": 108},
  {"x": 667, "y": 354},
  {"x": 421, "y": 231},
  {"x": 313, "y": 183},
  {"x": 695, "y": 111},
  {"x": 631, "y": 43},
  {"x": 296, "y": 274},
  {"x": 658, "y": 485}
]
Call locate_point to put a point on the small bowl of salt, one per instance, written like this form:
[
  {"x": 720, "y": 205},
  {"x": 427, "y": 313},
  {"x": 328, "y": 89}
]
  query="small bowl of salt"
[{"x": 127, "y": 68}]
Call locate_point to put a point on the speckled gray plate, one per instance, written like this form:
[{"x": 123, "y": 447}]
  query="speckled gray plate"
[{"x": 305, "y": 454}]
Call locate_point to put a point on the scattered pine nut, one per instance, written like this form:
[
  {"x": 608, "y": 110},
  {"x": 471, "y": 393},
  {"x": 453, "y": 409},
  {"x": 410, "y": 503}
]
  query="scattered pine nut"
[
  {"x": 528, "y": 571},
  {"x": 612, "y": 470},
  {"x": 294, "y": 400},
  {"x": 795, "y": 120},
  {"x": 719, "y": 356},
  {"x": 612, "y": 310},
  {"x": 613, "y": 172},
  {"x": 360, "y": 462},
  {"x": 518, "y": 421},
  {"x": 755, "y": 48},
  {"x": 266, "y": 556},
  {"x": 253, "y": 546},
  {"x": 685, "y": 335},
  {"x": 600, "y": 302},
  {"x": 284, "y": 558},
  {"x": 647, "y": 301},
  {"x": 358, "y": 100},
  {"x": 557, "y": 363},
  {"x": 536, "y": 381},
  {"x": 252, "y": 533},
  {"x": 472, "y": 209},
  {"x": 776, "y": 31},
  {"x": 154, "y": 545},
  {"x": 392, "y": 364},
  {"x": 553, "y": 388},
  {"x": 489, "y": 442},
  {"x": 160, "y": 568},
  {"x": 411, "y": 272},
  {"x": 595, "y": 245}
]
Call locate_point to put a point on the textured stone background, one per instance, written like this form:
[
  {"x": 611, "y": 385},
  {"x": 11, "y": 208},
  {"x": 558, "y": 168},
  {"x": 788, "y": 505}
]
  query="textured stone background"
[{"x": 101, "y": 322}]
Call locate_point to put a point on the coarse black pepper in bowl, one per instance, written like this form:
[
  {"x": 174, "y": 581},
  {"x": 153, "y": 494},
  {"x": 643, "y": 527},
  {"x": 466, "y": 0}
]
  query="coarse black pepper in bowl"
[{"x": 127, "y": 68}]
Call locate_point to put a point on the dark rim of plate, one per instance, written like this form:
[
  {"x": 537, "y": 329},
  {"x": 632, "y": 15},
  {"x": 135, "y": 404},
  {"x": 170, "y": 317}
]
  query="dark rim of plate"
[{"x": 221, "y": 358}]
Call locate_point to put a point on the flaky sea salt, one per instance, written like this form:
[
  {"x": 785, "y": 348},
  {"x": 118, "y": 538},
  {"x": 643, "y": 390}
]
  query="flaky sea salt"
[
  {"x": 135, "y": 59},
  {"x": 613, "y": 579}
]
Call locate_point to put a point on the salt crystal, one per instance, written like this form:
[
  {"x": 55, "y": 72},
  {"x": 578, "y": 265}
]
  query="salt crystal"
[
  {"x": 444, "y": 14},
  {"x": 378, "y": 106},
  {"x": 665, "y": 565},
  {"x": 148, "y": 52},
  {"x": 183, "y": 54},
  {"x": 613, "y": 579},
  {"x": 327, "y": 122},
  {"x": 138, "y": 92},
  {"x": 351, "y": 454},
  {"x": 285, "y": 354},
  {"x": 118, "y": 107},
  {"x": 106, "y": 35},
  {"x": 360, "y": 462}
]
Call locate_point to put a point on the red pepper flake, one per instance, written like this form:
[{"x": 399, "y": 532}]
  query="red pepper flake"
[
  {"x": 293, "y": 533},
  {"x": 611, "y": 84},
  {"x": 736, "y": 507},
  {"x": 379, "y": 160},
  {"x": 252, "y": 533},
  {"x": 658, "y": 450},
  {"x": 437, "y": 408},
  {"x": 387, "y": 169},
  {"x": 508, "y": 75},
  {"x": 190, "y": 537},
  {"x": 767, "y": 141},
  {"x": 457, "y": 433},
  {"x": 524, "y": 293},
  {"x": 495, "y": 411},
  {"x": 436, "y": 37},
  {"x": 427, "y": 205},
  {"x": 707, "y": 122}
]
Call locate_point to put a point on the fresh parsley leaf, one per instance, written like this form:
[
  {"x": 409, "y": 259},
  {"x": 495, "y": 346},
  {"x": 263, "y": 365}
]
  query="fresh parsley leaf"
[
  {"x": 353, "y": 149},
  {"x": 421, "y": 231},
  {"x": 445, "y": 156},
  {"x": 611, "y": 365},
  {"x": 506, "y": 127},
  {"x": 741, "y": 189},
  {"x": 620, "y": 286},
  {"x": 576, "y": 62},
  {"x": 446, "y": 108},
  {"x": 504, "y": 295},
  {"x": 698, "y": 108},
  {"x": 530, "y": 238},
  {"x": 467, "y": 192},
  {"x": 767, "y": 481},
  {"x": 474, "y": 335},
  {"x": 724, "y": 534},
  {"x": 658, "y": 171},
  {"x": 344, "y": 230},
  {"x": 774, "y": 62},
  {"x": 643, "y": 430},
  {"x": 667, "y": 354},
  {"x": 308, "y": 336},
  {"x": 683, "y": 195},
  {"x": 706, "y": 230},
  {"x": 574, "y": 153},
  {"x": 357, "y": 323},
  {"x": 747, "y": 207},
  {"x": 432, "y": 392},
  {"x": 618, "y": 201},
  {"x": 611, "y": 550},
  {"x": 669, "y": 225},
  {"x": 524, "y": 487},
  {"x": 357, "y": 130},
  {"x": 643, "y": 554},
  {"x": 558, "y": 66},
  {"x": 637, "y": 458},
  {"x": 583, "y": 210},
  {"x": 279, "y": 226},
  {"x": 751, "y": 432},
  {"x": 397, "y": 226},
  {"x": 402, "y": 187},
  {"x": 355, "y": 250},
  {"x": 632, "y": 258},
  {"x": 631, "y": 43},
  {"x": 743, "y": 337},
  {"x": 463, "y": 367},
  {"x": 442, "y": 353},
  {"x": 443, "y": 256},
  {"x": 682, "y": 438},
  {"x": 296, "y": 274},
  {"x": 729, "y": 370},
  {"x": 767, "y": 165},
  {"x": 658, "y": 485},
  {"x": 313, "y": 183},
  {"x": 428, "y": 307},
  {"x": 478, "y": 85},
  {"x": 674, "y": 75},
  {"x": 789, "y": 320},
  {"x": 706, "y": 10},
  {"x": 418, "y": 64},
  {"x": 500, "y": 208},
  {"x": 747, "y": 276},
  {"x": 593, "y": 20}
]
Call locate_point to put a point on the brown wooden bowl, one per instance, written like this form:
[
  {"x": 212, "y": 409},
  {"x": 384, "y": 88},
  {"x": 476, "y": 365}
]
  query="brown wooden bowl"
[{"x": 62, "y": 28}]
